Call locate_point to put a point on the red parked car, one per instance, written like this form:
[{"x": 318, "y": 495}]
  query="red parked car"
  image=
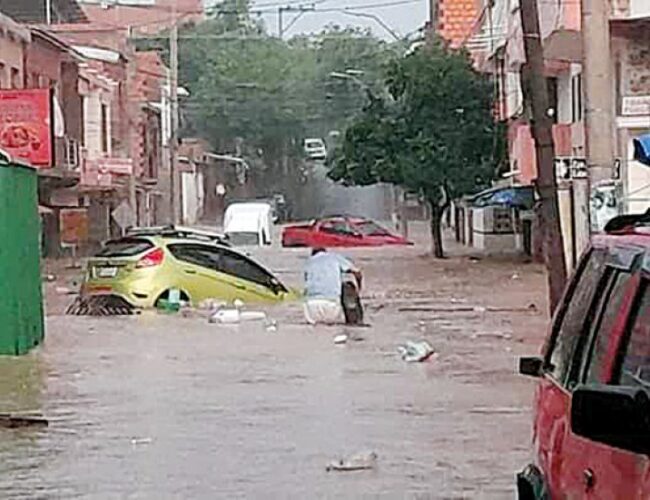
[
  {"x": 592, "y": 405},
  {"x": 340, "y": 232}
]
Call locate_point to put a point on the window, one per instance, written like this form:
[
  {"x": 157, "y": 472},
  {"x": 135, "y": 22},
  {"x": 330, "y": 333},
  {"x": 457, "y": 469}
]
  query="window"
[
  {"x": 225, "y": 261},
  {"x": 370, "y": 228},
  {"x": 104, "y": 118},
  {"x": 16, "y": 82},
  {"x": 635, "y": 369},
  {"x": 125, "y": 248},
  {"x": 571, "y": 319},
  {"x": 241, "y": 239},
  {"x": 610, "y": 302},
  {"x": 241, "y": 267},
  {"x": 551, "y": 85},
  {"x": 196, "y": 254},
  {"x": 335, "y": 226},
  {"x": 576, "y": 98},
  {"x": 3, "y": 76}
]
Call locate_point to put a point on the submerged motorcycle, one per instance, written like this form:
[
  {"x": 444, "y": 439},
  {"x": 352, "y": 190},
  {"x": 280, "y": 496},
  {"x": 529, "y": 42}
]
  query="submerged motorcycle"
[{"x": 351, "y": 298}]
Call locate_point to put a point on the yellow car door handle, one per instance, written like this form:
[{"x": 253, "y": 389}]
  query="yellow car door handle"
[
  {"x": 240, "y": 287},
  {"x": 190, "y": 271}
]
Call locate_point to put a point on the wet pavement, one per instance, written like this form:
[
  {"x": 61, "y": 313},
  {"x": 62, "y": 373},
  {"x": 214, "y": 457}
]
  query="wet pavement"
[{"x": 159, "y": 406}]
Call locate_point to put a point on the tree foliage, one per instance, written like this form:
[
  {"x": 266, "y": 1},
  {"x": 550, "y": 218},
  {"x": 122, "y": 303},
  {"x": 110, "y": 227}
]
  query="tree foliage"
[
  {"x": 263, "y": 96},
  {"x": 258, "y": 96},
  {"x": 434, "y": 135}
]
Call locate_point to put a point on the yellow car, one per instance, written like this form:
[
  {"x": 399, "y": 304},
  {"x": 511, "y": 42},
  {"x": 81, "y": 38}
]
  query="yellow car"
[{"x": 142, "y": 269}]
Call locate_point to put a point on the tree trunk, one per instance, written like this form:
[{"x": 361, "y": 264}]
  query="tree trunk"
[
  {"x": 436, "y": 230},
  {"x": 535, "y": 92}
]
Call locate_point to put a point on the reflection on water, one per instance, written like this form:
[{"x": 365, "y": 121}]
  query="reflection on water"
[
  {"x": 21, "y": 383},
  {"x": 21, "y": 393}
]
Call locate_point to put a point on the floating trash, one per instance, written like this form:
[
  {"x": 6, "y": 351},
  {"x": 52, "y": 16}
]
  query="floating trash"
[
  {"x": 359, "y": 461},
  {"x": 415, "y": 352}
]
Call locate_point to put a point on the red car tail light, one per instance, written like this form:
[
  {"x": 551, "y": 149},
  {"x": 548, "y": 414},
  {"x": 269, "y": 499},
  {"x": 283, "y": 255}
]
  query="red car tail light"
[{"x": 151, "y": 259}]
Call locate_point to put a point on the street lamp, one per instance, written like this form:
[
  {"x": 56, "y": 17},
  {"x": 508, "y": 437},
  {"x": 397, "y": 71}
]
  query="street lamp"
[
  {"x": 242, "y": 166},
  {"x": 350, "y": 74}
]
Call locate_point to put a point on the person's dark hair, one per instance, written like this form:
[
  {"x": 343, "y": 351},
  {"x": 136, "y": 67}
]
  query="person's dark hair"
[{"x": 317, "y": 250}]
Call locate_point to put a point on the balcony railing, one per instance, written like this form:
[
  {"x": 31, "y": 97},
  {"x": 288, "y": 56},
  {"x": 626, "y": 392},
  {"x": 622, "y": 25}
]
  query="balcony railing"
[{"x": 66, "y": 154}]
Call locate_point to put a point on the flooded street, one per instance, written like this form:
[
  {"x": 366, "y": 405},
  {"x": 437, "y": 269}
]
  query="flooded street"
[{"x": 160, "y": 406}]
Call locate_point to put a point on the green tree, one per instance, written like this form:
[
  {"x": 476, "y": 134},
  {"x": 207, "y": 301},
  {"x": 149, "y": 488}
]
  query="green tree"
[
  {"x": 259, "y": 96},
  {"x": 435, "y": 135},
  {"x": 263, "y": 96}
]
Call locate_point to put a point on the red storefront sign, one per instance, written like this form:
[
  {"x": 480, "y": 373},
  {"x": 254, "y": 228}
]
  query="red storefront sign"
[{"x": 26, "y": 125}]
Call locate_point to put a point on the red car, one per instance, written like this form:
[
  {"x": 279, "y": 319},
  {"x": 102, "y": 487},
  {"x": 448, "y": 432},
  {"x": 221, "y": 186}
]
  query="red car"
[
  {"x": 592, "y": 404},
  {"x": 340, "y": 232}
]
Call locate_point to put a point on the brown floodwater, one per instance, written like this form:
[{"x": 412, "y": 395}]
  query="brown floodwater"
[{"x": 158, "y": 406}]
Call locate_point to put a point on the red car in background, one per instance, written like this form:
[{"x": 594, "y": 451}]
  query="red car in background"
[
  {"x": 340, "y": 231},
  {"x": 592, "y": 406}
]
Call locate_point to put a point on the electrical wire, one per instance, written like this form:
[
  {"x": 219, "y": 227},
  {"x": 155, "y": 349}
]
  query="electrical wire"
[{"x": 326, "y": 9}]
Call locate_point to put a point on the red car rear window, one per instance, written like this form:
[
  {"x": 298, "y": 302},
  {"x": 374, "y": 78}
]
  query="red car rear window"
[{"x": 636, "y": 362}]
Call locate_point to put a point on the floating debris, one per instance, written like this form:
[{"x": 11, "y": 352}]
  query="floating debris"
[
  {"x": 416, "y": 352},
  {"x": 9, "y": 421},
  {"x": 234, "y": 316},
  {"x": 496, "y": 335},
  {"x": 360, "y": 461},
  {"x": 141, "y": 441},
  {"x": 272, "y": 326}
]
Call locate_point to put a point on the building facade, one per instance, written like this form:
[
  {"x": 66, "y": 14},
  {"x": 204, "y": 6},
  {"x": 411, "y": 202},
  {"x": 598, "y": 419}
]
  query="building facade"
[
  {"x": 143, "y": 16},
  {"x": 36, "y": 11},
  {"x": 630, "y": 70},
  {"x": 496, "y": 45}
]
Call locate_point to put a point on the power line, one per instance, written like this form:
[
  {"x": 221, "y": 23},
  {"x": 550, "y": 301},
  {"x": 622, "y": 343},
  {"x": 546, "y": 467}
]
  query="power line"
[{"x": 380, "y": 5}]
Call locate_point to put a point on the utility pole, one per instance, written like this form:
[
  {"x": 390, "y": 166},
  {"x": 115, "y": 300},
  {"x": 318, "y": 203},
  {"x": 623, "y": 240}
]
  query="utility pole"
[
  {"x": 433, "y": 20},
  {"x": 535, "y": 92},
  {"x": 599, "y": 130},
  {"x": 301, "y": 10},
  {"x": 174, "y": 186},
  {"x": 280, "y": 27},
  {"x": 48, "y": 12}
]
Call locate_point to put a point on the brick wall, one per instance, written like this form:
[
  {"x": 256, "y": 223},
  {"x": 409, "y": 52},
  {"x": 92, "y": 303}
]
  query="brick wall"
[{"x": 456, "y": 18}]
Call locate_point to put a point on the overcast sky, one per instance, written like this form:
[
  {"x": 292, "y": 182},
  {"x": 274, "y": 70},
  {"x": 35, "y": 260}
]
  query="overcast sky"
[{"x": 403, "y": 18}]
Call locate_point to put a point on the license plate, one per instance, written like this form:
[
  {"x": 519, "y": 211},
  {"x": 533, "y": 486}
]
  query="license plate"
[{"x": 106, "y": 272}]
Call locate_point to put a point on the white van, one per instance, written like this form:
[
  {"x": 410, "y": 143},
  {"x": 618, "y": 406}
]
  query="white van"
[
  {"x": 248, "y": 224},
  {"x": 315, "y": 149}
]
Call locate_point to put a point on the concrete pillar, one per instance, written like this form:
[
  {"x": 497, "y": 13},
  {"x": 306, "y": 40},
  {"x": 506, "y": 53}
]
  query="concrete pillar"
[{"x": 599, "y": 110}]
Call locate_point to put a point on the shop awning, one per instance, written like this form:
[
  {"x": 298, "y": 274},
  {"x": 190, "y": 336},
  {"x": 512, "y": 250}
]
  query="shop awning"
[
  {"x": 522, "y": 197},
  {"x": 642, "y": 149}
]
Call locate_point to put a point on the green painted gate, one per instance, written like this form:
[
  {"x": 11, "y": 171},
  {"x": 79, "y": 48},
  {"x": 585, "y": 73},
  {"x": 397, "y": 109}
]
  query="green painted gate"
[{"x": 21, "y": 301}]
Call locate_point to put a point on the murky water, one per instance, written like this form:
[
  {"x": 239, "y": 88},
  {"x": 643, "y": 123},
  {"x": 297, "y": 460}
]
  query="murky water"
[{"x": 169, "y": 407}]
